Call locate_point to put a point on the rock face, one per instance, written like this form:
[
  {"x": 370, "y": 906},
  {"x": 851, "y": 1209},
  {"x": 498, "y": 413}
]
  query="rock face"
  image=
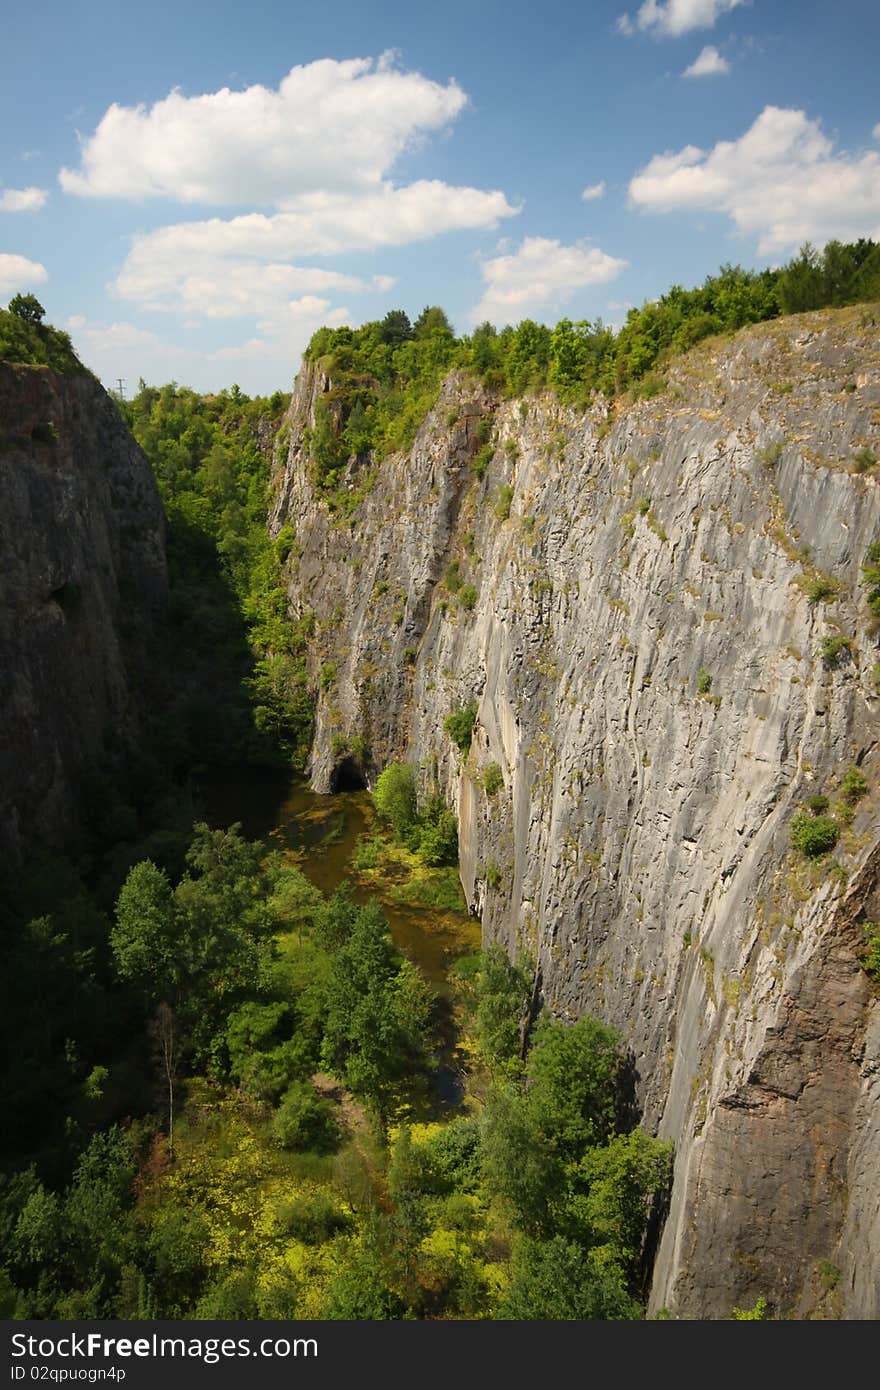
[
  {"x": 82, "y": 547},
  {"x": 649, "y": 639}
]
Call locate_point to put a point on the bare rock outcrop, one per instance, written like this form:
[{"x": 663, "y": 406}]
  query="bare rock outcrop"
[
  {"x": 82, "y": 551},
  {"x": 660, "y": 614}
]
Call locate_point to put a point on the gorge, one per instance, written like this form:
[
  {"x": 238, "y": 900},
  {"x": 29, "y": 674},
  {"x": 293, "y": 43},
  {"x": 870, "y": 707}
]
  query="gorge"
[{"x": 652, "y": 618}]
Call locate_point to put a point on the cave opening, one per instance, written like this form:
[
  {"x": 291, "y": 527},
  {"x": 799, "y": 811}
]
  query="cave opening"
[{"x": 347, "y": 776}]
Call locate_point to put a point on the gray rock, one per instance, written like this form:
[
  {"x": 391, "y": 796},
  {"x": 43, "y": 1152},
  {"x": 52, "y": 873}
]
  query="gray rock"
[{"x": 640, "y": 840}]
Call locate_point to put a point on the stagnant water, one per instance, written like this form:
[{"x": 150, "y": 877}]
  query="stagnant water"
[{"x": 320, "y": 834}]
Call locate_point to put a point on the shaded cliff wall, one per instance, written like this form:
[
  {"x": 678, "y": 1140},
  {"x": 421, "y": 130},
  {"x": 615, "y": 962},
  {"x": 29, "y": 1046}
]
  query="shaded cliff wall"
[
  {"x": 82, "y": 551},
  {"x": 639, "y": 846}
]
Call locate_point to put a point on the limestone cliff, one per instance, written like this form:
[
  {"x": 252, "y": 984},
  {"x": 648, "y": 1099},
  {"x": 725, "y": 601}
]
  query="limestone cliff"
[
  {"x": 646, "y": 639},
  {"x": 82, "y": 548}
]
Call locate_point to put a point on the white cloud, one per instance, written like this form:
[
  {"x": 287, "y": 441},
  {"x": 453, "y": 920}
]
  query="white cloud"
[
  {"x": 22, "y": 199},
  {"x": 18, "y": 274},
  {"x": 542, "y": 272},
  {"x": 330, "y": 126},
  {"x": 593, "y": 190},
  {"x": 677, "y": 17},
  {"x": 203, "y": 266},
  {"x": 709, "y": 63},
  {"x": 781, "y": 182}
]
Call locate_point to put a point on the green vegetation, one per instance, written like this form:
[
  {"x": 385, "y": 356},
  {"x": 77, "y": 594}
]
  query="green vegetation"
[
  {"x": 25, "y": 339},
  {"x": 704, "y": 681},
  {"x": 871, "y": 957},
  {"x": 854, "y": 785},
  {"x": 871, "y": 577},
  {"x": 833, "y": 649},
  {"x": 501, "y": 506},
  {"x": 239, "y": 656},
  {"x": 813, "y": 835},
  {"x": 492, "y": 779},
  {"x": 429, "y": 829},
  {"x": 459, "y": 725}
]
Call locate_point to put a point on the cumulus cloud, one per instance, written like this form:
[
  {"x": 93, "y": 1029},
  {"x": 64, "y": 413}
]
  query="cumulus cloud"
[
  {"x": 709, "y": 63},
  {"x": 593, "y": 190},
  {"x": 676, "y": 17},
  {"x": 198, "y": 265},
  {"x": 17, "y": 273},
  {"x": 22, "y": 199},
  {"x": 541, "y": 272},
  {"x": 781, "y": 182},
  {"x": 330, "y": 126}
]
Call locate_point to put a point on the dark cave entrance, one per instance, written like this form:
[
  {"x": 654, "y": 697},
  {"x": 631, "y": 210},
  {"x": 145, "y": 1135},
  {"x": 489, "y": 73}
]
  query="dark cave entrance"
[{"x": 347, "y": 776}]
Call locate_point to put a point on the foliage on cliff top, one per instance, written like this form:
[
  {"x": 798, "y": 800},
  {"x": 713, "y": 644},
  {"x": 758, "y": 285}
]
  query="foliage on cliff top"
[
  {"x": 26, "y": 340},
  {"x": 386, "y": 375}
]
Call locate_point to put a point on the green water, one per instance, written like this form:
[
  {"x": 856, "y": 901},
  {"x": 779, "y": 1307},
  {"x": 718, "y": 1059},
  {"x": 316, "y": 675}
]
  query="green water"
[{"x": 320, "y": 834}]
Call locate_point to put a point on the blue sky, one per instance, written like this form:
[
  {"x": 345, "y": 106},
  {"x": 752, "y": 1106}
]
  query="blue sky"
[{"x": 191, "y": 189}]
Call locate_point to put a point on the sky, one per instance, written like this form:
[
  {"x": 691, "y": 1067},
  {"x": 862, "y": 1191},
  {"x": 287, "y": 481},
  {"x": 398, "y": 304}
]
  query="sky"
[{"x": 192, "y": 188}]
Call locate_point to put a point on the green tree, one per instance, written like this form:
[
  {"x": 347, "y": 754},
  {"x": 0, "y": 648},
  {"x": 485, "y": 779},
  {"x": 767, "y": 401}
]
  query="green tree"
[
  {"x": 559, "y": 1281},
  {"x": 396, "y": 798},
  {"x": 145, "y": 939},
  {"x": 378, "y": 1014},
  {"x": 27, "y": 307}
]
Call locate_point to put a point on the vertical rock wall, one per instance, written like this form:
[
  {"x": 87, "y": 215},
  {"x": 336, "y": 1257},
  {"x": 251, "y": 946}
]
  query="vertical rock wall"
[
  {"x": 82, "y": 556},
  {"x": 652, "y": 651}
]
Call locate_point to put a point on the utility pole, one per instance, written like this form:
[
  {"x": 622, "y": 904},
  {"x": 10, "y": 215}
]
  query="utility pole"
[{"x": 120, "y": 388}]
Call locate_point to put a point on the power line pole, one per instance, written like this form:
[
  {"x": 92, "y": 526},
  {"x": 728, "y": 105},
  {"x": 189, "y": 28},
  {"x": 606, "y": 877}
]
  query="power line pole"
[{"x": 120, "y": 388}]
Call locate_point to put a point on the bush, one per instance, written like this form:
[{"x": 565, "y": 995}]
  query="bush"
[
  {"x": 314, "y": 1218},
  {"x": 832, "y": 650},
  {"x": 304, "y": 1121},
  {"x": 819, "y": 589},
  {"x": 871, "y": 959},
  {"x": 459, "y": 725},
  {"x": 704, "y": 681},
  {"x": 395, "y": 797},
  {"x": 501, "y": 507},
  {"x": 492, "y": 779},
  {"x": 813, "y": 835},
  {"x": 452, "y": 578},
  {"x": 854, "y": 785},
  {"x": 467, "y": 597},
  {"x": 482, "y": 461},
  {"x": 438, "y": 842}
]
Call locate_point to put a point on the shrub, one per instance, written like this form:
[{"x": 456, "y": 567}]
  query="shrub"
[
  {"x": 812, "y": 836},
  {"x": 832, "y": 649},
  {"x": 304, "y": 1121},
  {"x": 467, "y": 597},
  {"x": 819, "y": 589},
  {"x": 871, "y": 577},
  {"x": 313, "y": 1218},
  {"x": 503, "y": 500},
  {"x": 704, "y": 681},
  {"x": 871, "y": 958},
  {"x": 818, "y": 804},
  {"x": 854, "y": 784},
  {"x": 395, "y": 796},
  {"x": 864, "y": 460},
  {"x": 482, "y": 461},
  {"x": 438, "y": 841},
  {"x": 493, "y": 874},
  {"x": 459, "y": 725},
  {"x": 452, "y": 578},
  {"x": 492, "y": 779}
]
